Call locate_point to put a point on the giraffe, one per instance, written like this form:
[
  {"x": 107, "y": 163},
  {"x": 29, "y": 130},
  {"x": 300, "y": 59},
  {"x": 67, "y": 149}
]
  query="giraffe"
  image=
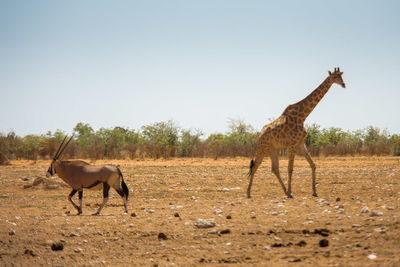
[{"x": 288, "y": 131}]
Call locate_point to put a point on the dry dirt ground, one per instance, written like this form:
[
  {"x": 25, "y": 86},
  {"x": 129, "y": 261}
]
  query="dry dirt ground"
[{"x": 353, "y": 222}]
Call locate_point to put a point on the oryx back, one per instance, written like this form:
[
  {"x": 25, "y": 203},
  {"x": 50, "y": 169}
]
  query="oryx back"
[{"x": 79, "y": 174}]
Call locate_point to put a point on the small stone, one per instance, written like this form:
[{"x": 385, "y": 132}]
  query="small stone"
[
  {"x": 205, "y": 223},
  {"x": 11, "y": 232},
  {"x": 73, "y": 234},
  {"x": 372, "y": 256},
  {"x": 133, "y": 214},
  {"x": 57, "y": 246},
  {"x": 78, "y": 250},
  {"x": 29, "y": 252},
  {"x": 162, "y": 236},
  {"x": 376, "y": 213},
  {"x": 226, "y": 231},
  {"x": 337, "y": 199},
  {"x": 228, "y": 217},
  {"x": 176, "y": 215},
  {"x": 301, "y": 243},
  {"x": 322, "y": 232},
  {"x": 217, "y": 211},
  {"x": 381, "y": 230},
  {"x": 323, "y": 243},
  {"x": 365, "y": 210},
  {"x": 131, "y": 225}
]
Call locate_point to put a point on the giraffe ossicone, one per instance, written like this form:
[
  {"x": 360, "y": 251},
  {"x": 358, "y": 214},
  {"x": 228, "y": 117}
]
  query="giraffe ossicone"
[{"x": 288, "y": 131}]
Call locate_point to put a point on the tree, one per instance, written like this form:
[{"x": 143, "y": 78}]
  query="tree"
[
  {"x": 188, "y": 142},
  {"x": 30, "y": 147},
  {"x": 163, "y": 136},
  {"x": 83, "y": 132}
]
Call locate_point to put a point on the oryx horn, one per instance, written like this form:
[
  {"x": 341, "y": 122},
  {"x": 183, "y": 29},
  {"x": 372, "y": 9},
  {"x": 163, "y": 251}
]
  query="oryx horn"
[
  {"x": 62, "y": 150},
  {"x": 58, "y": 150}
]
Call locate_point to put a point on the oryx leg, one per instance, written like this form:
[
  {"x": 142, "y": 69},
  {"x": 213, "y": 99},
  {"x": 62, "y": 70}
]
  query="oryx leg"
[
  {"x": 106, "y": 189},
  {"x": 73, "y": 192},
  {"x": 307, "y": 155},
  {"x": 80, "y": 194},
  {"x": 122, "y": 194}
]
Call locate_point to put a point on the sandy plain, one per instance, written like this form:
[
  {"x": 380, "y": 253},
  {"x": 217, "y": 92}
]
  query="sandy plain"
[{"x": 355, "y": 220}]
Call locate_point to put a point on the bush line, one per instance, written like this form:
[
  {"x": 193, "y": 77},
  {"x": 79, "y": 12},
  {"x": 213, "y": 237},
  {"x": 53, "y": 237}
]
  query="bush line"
[{"x": 166, "y": 140}]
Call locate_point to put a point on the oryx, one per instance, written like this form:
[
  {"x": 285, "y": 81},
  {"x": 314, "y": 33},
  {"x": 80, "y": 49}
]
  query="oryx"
[{"x": 80, "y": 174}]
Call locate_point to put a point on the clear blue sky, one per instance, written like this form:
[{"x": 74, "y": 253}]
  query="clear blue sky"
[{"x": 133, "y": 63}]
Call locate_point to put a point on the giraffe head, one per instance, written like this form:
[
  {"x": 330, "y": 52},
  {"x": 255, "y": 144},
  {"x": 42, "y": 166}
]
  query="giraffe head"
[{"x": 336, "y": 77}]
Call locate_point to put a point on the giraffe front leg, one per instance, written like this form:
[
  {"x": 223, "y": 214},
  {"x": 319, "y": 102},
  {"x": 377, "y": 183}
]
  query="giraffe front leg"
[{"x": 313, "y": 168}]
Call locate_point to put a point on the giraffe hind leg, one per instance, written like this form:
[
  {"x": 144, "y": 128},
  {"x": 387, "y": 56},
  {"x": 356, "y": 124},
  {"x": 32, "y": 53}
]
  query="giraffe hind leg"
[
  {"x": 275, "y": 170},
  {"x": 254, "y": 164},
  {"x": 290, "y": 172}
]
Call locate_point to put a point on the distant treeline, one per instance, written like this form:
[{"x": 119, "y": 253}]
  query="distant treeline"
[{"x": 166, "y": 139}]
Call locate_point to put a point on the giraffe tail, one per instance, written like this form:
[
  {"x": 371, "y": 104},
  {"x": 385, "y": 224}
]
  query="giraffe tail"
[{"x": 251, "y": 167}]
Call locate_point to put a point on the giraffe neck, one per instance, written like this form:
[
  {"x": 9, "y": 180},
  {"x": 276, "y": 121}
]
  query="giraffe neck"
[{"x": 307, "y": 105}]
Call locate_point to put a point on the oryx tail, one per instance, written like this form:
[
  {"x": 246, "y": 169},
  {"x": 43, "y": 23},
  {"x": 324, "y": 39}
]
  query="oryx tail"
[{"x": 123, "y": 184}]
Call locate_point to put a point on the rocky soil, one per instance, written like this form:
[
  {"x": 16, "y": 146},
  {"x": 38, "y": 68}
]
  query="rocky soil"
[{"x": 194, "y": 212}]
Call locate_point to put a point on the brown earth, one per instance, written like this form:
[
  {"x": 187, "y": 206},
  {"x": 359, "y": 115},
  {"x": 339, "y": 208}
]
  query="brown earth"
[{"x": 169, "y": 196}]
